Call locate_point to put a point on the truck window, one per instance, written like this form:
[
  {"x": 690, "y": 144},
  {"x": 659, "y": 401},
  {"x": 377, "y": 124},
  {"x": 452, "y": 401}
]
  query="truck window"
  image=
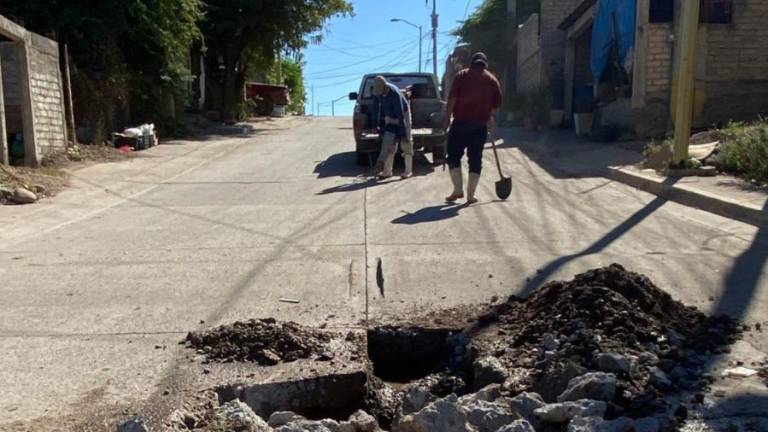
[{"x": 422, "y": 86}]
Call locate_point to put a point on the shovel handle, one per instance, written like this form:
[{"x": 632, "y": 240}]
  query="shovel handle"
[{"x": 496, "y": 154}]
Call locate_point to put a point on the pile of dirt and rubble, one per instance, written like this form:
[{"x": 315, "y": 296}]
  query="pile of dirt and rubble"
[
  {"x": 606, "y": 351},
  {"x": 264, "y": 341}
]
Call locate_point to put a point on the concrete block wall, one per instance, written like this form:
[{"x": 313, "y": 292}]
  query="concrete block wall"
[
  {"x": 528, "y": 56},
  {"x": 553, "y": 12},
  {"x": 659, "y": 61},
  {"x": 47, "y": 95},
  {"x": 737, "y": 64}
]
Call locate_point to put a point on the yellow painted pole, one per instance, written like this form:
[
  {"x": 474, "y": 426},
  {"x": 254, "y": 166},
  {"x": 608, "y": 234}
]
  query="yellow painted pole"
[{"x": 684, "y": 69}]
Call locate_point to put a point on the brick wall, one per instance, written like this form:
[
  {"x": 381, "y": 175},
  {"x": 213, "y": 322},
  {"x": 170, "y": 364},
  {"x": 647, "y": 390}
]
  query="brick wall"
[
  {"x": 528, "y": 56},
  {"x": 660, "y": 52},
  {"x": 737, "y": 64},
  {"x": 47, "y": 95},
  {"x": 553, "y": 12},
  {"x": 46, "y": 92}
]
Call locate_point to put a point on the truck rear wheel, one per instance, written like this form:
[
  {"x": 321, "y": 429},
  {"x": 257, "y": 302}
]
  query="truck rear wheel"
[
  {"x": 438, "y": 154},
  {"x": 264, "y": 106}
]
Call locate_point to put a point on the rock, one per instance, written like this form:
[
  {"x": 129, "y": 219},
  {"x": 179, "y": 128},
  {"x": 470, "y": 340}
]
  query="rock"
[
  {"x": 597, "y": 424},
  {"x": 647, "y": 424},
  {"x": 555, "y": 381},
  {"x": 549, "y": 342},
  {"x": 488, "y": 416},
  {"x": 562, "y": 412},
  {"x": 518, "y": 426},
  {"x": 444, "y": 415},
  {"x": 23, "y": 196},
  {"x": 613, "y": 362},
  {"x": 280, "y": 418},
  {"x": 524, "y": 404},
  {"x": 415, "y": 399},
  {"x": 648, "y": 357},
  {"x": 593, "y": 385},
  {"x": 489, "y": 370},
  {"x": 5, "y": 192},
  {"x": 363, "y": 422},
  {"x": 310, "y": 426},
  {"x": 239, "y": 416},
  {"x": 488, "y": 393},
  {"x": 739, "y": 372},
  {"x": 136, "y": 424},
  {"x": 658, "y": 378},
  {"x": 39, "y": 189}
]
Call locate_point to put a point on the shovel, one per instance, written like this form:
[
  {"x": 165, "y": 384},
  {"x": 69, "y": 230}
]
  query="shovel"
[{"x": 504, "y": 185}]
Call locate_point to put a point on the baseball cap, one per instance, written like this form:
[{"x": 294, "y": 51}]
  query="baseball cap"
[{"x": 480, "y": 58}]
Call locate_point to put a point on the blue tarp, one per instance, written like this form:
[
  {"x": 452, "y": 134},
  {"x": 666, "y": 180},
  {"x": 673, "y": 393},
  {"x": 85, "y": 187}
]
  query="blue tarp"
[{"x": 603, "y": 34}]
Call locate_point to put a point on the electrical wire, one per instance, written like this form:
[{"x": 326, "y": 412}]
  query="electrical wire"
[{"x": 319, "y": 74}]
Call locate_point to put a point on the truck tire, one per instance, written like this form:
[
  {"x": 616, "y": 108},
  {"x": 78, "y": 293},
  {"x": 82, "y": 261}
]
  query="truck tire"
[
  {"x": 264, "y": 106},
  {"x": 439, "y": 154}
]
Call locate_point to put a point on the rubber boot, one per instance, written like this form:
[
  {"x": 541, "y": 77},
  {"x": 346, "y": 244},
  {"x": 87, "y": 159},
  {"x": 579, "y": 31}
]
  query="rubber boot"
[
  {"x": 408, "y": 172},
  {"x": 472, "y": 183},
  {"x": 389, "y": 161},
  {"x": 457, "y": 178}
]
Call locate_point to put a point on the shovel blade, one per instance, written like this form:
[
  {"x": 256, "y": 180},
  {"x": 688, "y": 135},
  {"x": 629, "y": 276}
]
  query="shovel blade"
[{"x": 504, "y": 188}]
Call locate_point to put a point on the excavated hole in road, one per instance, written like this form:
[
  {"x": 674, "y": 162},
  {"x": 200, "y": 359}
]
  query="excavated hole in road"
[
  {"x": 397, "y": 356},
  {"x": 404, "y": 354}
]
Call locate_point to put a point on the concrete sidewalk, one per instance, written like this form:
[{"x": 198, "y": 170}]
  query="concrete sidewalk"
[{"x": 723, "y": 195}]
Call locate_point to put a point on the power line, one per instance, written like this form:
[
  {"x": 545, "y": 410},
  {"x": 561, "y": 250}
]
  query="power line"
[{"x": 314, "y": 75}]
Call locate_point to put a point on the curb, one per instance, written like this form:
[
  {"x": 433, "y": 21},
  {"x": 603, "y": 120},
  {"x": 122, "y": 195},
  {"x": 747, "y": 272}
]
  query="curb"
[{"x": 693, "y": 198}]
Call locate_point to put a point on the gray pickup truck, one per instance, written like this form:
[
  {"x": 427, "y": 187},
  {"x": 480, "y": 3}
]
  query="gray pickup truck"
[{"x": 427, "y": 113}]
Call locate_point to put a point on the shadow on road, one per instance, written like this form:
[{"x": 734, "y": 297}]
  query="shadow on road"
[
  {"x": 340, "y": 165},
  {"x": 598, "y": 246},
  {"x": 743, "y": 279},
  {"x": 563, "y": 155},
  {"x": 429, "y": 214}
]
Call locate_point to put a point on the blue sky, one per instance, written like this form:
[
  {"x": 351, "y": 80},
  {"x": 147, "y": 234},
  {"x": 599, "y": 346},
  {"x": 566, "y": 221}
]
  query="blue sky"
[{"x": 369, "y": 42}]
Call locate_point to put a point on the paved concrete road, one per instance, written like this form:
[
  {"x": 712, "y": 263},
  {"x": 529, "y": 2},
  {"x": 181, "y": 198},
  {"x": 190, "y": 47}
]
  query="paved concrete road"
[{"x": 99, "y": 284}]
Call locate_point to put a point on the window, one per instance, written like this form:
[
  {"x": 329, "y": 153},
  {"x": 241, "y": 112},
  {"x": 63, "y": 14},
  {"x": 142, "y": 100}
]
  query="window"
[
  {"x": 422, "y": 85},
  {"x": 716, "y": 11},
  {"x": 712, "y": 11}
]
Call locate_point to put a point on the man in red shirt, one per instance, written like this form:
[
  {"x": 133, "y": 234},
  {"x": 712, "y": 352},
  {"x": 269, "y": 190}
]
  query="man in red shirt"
[{"x": 474, "y": 98}]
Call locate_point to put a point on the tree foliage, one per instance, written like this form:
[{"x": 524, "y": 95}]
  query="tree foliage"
[
  {"x": 242, "y": 34},
  {"x": 487, "y": 25},
  {"x": 128, "y": 55},
  {"x": 131, "y": 57}
]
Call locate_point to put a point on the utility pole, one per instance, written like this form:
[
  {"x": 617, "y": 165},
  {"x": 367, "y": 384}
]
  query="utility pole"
[
  {"x": 434, "y": 37},
  {"x": 686, "y": 61},
  {"x": 318, "y": 108},
  {"x": 313, "y": 99}
]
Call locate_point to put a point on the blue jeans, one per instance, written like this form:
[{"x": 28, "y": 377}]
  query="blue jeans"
[{"x": 470, "y": 137}]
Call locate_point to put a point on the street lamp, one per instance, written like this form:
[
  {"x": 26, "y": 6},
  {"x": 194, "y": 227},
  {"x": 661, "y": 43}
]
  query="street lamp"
[{"x": 412, "y": 25}]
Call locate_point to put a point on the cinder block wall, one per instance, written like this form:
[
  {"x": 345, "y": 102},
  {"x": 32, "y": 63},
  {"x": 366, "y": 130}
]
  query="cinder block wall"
[
  {"x": 47, "y": 95},
  {"x": 553, "y": 12},
  {"x": 737, "y": 64},
  {"x": 528, "y": 56},
  {"x": 731, "y": 72}
]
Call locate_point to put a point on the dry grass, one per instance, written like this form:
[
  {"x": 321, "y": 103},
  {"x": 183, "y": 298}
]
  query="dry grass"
[{"x": 51, "y": 177}]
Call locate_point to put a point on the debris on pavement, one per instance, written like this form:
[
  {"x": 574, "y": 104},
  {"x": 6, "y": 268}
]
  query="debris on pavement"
[
  {"x": 606, "y": 351},
  {"x": 263, "y": 341},
  {"x": 739, "y": 372}
]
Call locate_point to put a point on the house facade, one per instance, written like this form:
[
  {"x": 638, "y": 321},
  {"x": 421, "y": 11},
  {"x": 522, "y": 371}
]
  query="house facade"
[{"x": 618, "y": 60}]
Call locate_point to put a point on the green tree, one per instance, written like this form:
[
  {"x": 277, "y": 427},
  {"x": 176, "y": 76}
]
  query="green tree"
[
  {"x": 129, "y": 56},
  {"x": 243, "y": 34}
]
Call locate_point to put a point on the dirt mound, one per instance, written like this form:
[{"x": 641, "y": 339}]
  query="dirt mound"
[
  {"x": 263, "y": 341},
  {"x": 567, "y": 328}
]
